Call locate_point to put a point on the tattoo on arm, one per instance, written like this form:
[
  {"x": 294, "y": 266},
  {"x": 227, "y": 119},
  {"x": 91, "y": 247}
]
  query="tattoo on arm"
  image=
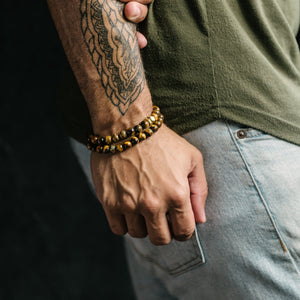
[{"x": 113, "y": 46}]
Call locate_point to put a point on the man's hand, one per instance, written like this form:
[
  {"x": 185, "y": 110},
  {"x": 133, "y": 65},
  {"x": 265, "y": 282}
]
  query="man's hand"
[
  {"x": 136, "y": 11},
  {"x": 158, "y": 188}
]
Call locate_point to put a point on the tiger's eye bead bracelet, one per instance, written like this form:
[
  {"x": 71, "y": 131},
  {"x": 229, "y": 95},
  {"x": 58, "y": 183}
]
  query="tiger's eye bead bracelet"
[{"x": 128, "y": 138}]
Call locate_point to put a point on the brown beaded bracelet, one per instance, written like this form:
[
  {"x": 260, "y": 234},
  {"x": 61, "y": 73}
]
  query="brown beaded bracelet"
[{"x": 126, "y": 139}]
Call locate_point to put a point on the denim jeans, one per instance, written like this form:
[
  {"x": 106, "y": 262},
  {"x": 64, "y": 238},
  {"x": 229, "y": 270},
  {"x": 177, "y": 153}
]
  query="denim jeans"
[{"x": 250, "y": 246}]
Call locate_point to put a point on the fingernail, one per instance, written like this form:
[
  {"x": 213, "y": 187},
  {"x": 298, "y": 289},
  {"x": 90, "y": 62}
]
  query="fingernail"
[{"x": 135, "y": 13}]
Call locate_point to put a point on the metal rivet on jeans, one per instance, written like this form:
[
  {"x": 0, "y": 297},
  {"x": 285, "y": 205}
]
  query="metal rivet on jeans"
[{"x": 241, "y": 134}]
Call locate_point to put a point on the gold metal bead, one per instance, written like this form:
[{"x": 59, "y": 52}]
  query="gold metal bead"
[
  {"x": 155, "y": 116},
  {"x": 152, "y": 118}
]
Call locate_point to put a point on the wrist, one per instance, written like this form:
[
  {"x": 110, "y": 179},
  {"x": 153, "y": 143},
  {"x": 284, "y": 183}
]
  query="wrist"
[{"x": 106, "y": 122}]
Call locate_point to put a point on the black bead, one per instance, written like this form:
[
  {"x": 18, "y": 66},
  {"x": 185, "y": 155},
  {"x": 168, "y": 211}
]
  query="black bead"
[
  {"x": 134, "y": 141},
  {"x": 102, "y": 141},
  {"x": 130, "y": 132},
  {"x": 138, "y": 128}
]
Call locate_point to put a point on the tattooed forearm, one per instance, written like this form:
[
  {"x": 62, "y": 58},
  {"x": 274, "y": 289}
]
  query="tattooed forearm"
[{"x": 112, "y": 43}]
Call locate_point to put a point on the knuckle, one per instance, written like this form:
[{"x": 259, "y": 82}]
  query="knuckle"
[
  {"x": 180, "y": 195},
  {"x": 128, "y": 204},
  {"x": 149, "y": 206},
  {"x": 112, "y": 207}
]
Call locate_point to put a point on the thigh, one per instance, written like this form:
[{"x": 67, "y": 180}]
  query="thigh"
[{"x": 250, "y": 243}]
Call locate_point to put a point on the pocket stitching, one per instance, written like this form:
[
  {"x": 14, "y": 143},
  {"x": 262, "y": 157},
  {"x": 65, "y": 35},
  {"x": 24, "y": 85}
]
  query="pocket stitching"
[
  {"x": 263, "y": 200},
  {"x": 198, "y": 258}
]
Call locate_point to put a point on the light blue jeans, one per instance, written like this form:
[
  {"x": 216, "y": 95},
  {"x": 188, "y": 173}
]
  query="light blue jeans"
[{"x": 250, "y": 246}]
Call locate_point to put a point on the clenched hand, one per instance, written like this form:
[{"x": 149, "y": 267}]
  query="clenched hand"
[{"x": 158, "y": 188}]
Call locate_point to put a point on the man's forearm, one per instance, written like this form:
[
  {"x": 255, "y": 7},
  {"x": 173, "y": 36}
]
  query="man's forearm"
[{"x": 103, "y": 51}]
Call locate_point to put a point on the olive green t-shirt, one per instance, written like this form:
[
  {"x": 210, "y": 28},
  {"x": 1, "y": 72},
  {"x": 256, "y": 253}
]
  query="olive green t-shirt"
[{"x": 217, "y": 59}]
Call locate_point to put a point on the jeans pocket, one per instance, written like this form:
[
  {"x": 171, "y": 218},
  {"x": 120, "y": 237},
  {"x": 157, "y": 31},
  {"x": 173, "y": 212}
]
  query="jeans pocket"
[
  {"x": 249, "y": 133},
  {"x": 174, "y": 258}
]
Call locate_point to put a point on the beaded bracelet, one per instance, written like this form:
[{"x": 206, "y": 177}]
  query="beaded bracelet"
[{"x": 126, "y": 139}]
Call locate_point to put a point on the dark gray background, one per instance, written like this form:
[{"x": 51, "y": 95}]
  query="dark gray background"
[{"x": 55, "y": 242}]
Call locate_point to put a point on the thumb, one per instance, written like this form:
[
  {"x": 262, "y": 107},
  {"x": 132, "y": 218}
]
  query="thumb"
[{"x": 198, "y": 190}]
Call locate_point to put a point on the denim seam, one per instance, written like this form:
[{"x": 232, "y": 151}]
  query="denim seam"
[
  {"x": 255, "y": 135},
  {"x": 281, "y": 240}
]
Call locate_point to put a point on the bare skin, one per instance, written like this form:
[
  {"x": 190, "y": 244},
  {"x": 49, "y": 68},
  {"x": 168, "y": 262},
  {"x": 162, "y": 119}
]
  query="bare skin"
[{"x": 158, "y": 187}]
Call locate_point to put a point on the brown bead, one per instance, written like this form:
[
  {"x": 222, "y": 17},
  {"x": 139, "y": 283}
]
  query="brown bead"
[
  {"x": 145, "y": 124},
  {"x": 154, "y": 127},
  {"x": 130, "y": 131},
  {"x": 94, "y": 139},
  {"x": 148, "y": 132},
  {"x": 106, "y": 149},
  {"x": 158, "y": 123},
  {"x": 113, "y": 149},
  {"x": 115, "y": 138},
  {"x": 161, "y": 116},
  {"x": 155, "y": 108},
  {"x": 120, "y": 148},
  {"x": 138, "y": 128},
  {"x": 89, "y": 146},
  {"x": 142, "y": 136},
  {"x": 108, "y": 140},
  {"x": 99, "y": 149},
  {"x": 134, "y": 140},
  {"x": 128, "y": 144},
  {"x": 123, "y": 134}
]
